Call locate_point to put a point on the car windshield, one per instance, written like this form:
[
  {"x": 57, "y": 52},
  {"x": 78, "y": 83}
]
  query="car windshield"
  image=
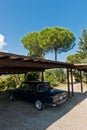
[{"x": 52, "y": 90}]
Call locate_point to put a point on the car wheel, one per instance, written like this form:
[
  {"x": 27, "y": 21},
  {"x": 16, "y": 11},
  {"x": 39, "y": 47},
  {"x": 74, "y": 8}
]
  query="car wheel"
[
  {"x": 39, "y": 105},
  {"x": 12, "y": 97}
]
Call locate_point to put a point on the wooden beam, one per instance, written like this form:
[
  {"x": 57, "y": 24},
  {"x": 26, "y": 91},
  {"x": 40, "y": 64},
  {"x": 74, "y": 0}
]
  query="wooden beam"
[
  {"x": 19, "y": 70},
  {"x": 42, "y": 75},
  {"x": 81, "y": 81},
  {"x": 72, "y": 83},
  {"x": 68, "y": 83}
]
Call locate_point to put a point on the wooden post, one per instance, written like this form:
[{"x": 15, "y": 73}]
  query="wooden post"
[
  {"x": 72, "y": 83},
  {"x": 68, "y": 82},
  {"x": 81, "y": 81},
  {"x": 42, "y": 76}
]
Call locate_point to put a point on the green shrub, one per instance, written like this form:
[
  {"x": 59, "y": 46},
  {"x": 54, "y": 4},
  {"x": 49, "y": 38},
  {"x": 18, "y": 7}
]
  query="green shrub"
[
  {"x": 32, "y": 76},
  {"x": 10, "y": 81},
  {"x": 55, "y": 76}
]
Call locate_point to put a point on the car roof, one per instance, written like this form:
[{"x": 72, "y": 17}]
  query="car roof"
[{"x": 36, "y": 82}]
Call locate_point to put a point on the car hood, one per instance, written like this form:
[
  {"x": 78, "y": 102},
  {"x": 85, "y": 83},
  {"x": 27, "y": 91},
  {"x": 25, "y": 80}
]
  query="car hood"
[{"x": 53, "y": 91}]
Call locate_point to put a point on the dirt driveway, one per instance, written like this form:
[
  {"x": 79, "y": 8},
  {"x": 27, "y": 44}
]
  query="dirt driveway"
[{"x": 71, "y": 115}]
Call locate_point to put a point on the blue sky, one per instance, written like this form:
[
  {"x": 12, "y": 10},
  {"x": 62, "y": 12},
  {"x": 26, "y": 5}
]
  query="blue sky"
[{"x": 19, "y": 17}]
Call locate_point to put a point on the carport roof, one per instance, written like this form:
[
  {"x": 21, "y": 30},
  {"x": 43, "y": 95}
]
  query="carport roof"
[
  {"x": 13, "y": 63},
  {"x": 82, "y": 67}
]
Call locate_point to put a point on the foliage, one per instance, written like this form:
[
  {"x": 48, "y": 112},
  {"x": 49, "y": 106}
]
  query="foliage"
[
  {"x": 77, "y": 75},
  {"x": 75, "y": 58},
  {"x": 84, "y": 60},
  {"x": 10, "y": 81},
  {"x": 83, "y": 46},
  {"x": 81, "y": 55},
  {"x": 55, "y": 76},
  {"x": 83, "y": 41},
  {"x": 31, "y": 43},
  {"x": 32, "y": 76},
  {"x": 84, "y": 77},
  {"x": 57, "y": 39},
  {"x": 14, "y": 80}
]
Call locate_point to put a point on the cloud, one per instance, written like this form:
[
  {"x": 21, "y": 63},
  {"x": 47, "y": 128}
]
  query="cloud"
[{"x": 2, "y": 42}]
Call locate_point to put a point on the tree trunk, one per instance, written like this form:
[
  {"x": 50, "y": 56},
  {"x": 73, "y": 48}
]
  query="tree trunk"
[{"x": 55, "y": 54}]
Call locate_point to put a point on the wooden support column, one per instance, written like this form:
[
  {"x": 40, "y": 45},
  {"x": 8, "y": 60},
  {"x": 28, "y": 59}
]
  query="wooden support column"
[
  {"x": 81, "y": 81},
  {"x": 42, "y": 75},
  {"x": 72, "y": 83},
  {"x": 68, "y": 83}
]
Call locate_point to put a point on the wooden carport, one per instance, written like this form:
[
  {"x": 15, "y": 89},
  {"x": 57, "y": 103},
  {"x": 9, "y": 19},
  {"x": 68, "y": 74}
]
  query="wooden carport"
[
  {"x": 12, "y": 63},
  {"x": 80, "y": 68},
  {"x": 19, "y": 64}
]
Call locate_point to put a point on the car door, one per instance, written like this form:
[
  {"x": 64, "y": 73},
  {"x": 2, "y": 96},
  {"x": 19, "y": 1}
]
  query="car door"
[
  {"x": 30, "y": 92},
  {"x": 42, "y": 92}
]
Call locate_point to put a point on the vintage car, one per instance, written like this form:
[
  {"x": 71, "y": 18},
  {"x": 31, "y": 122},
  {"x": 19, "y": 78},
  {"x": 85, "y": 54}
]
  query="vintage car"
[{"x": 40, "y": 93}]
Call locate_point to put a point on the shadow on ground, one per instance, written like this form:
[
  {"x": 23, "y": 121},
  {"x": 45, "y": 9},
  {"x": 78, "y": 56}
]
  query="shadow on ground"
[{"x": 20, "y": 115}]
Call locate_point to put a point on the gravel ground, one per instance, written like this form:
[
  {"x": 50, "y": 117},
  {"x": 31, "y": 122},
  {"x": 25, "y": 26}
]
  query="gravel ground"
[{"x": 71, "y": 115}]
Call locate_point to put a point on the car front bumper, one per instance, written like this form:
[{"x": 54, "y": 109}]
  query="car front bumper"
[{"x": 58, "y": 102}]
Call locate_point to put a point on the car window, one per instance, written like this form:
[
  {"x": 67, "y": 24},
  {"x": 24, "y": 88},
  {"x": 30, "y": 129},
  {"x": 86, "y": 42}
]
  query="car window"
[
  {"x": 48, "y": 85},
  {"x": 25, "y": 86},
  {"x": 42, "y": 88}
]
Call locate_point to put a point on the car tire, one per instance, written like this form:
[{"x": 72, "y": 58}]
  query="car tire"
[
  {"x": 39, "y": 105},
  {"x": 11, "y": 97}
]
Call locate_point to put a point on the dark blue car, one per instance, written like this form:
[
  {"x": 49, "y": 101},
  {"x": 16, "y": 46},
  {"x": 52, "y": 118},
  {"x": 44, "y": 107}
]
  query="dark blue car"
[{"x": 40, "y": 93}]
